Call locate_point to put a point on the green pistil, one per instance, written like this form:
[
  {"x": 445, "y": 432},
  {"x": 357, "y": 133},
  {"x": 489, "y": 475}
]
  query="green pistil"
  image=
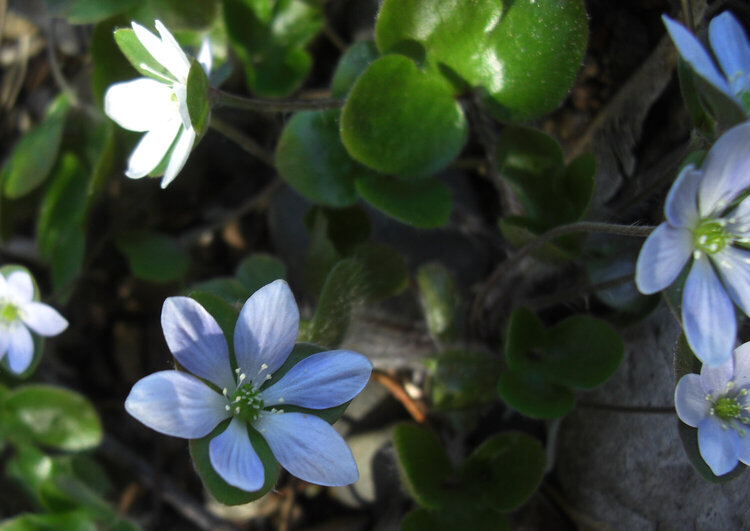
[
  {"x": 727, "y": 408},
  {"x": 245, "y": 403},
  {"x": 710, "y": 236},
  {"x": 9, "y": 312}
]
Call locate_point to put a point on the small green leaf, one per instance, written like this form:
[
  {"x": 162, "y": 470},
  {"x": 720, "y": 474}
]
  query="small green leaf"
[
  {"x": 56, "y": 417},
  {"x": 88, "y": 11},
  {"x": 33, "y": 157},
  {"x": 725, "y": 109},
  {"x": 401, "y": 120},
  {"x": 346, "y": 228},
  {"x": 312, "y": 159},
  {"x": 230, "y": 289},
  {"x": 505, "y": 470},
  {"x": 351, "y": 65},
  {"x": 152, "y": 256},
  {"x": 30, "y": 467},
  {"x": 137, "y": 54},
  {"x": 343, "y": 289},
  {"x": 197, "y": 97},
  {"x": 384, "y": 271},
  {"x": 422, "y": 203},
  {"x": 424, "y": 465},
  {"x": 691, "y": 97},
  {"x": 534, "y": 395},
  {"x": 258, "y": 270},
  {"x": 463, "y": 378},
  {"x": 439, "y": 297}
]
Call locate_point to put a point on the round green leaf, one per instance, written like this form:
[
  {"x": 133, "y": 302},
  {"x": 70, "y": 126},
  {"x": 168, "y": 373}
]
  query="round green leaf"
[
  {"x": 463, "y": 378},
  {"x": 154, "y": 257},
  {"x": 312, "y": 159},
  {"x": 424, "y": 464},
  {"x": 384, "y": 269},
  {"x": 401, "y": 120},
  {"x": 505, "y": 470},
  {"x": 524, "y": 340},
  {"x": 535, "y": 396},
  {"x": 421, "y": 203},
  {"x": 259, "y": 269},
  {"x": 56, "y": 417},
  {"x": 354, "y": 61},
  {"x": 439, "y": 297}
]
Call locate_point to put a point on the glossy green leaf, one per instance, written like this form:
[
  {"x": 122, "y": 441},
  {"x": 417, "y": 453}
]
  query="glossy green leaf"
[
  {"x": 197, "y": 97},
  {"x": 421, "y": 203},
  {"x": 56, "y": 417},
  {"x": 351, "y": 65},
  {"x": 401, "y": 120},
  {"x": 137, "y": 55},
  {"x": 423, "y": 463},
  {"x": 463, "y": 378},
  {"x": 534, "y": 395},
  {"x": 34, "y": 156},
  {"x": 29, "y": 467},
  {"x": 505, "y": 470},
  {"x": 439, "y": 297},
  {"x": 270, "y": 40},
  {"x": 524, "y": 54},
  {"x": 312, "y": 159},
  {"x": 152, "y": 256},
  {"x": 87, "y": 11},
  {"x": 260, "y": 269}
]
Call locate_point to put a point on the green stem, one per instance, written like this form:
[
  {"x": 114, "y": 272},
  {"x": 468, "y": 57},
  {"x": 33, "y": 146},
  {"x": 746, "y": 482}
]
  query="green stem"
[
  {"x": 619, "y": 408},
  {"x": 220, "y": 98},
  {"x": 242, "y": 140}
]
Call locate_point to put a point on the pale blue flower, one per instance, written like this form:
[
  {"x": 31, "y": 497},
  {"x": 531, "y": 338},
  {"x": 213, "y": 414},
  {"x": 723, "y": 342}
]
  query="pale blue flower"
[
  {"x": 705, "y": 223},
  {"x": 20, "y": 315},
  {"x": 181, "y": 404},
  {"x": 717, "y": 403},
  {"x": 730, "y": 47}
]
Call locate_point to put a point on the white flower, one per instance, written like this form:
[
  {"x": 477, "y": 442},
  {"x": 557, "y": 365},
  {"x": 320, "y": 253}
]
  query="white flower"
[
  {"x": 158, "y": 106},
  {"x": 19, "y": 313}
]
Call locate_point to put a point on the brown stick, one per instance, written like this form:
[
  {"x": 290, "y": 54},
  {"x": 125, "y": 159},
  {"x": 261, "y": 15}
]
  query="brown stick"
[{"x": 416, "y": 409}]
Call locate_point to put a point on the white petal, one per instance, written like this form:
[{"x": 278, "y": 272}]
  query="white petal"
[
  {"x": 234, "y": 458},
  {"x": 3, "y": 286},
  {"x": 161, "y": 51},
  {"x": 733, "y": 265},
  {"x": 176, "y": 59},
  {"x": 309, "y": 448},
  {"x": 180, "y": 92},
  {"x": 20, "y": 287},
  {"x": 179, "y": 156},
  {"x": 732, "y": 49},
  {"x": 20, "y": 348},
  {"x": 726, "y": 171},
  {"x": 152, "y": 148},
  {"x": 690, "y": 400},
  {"x": 139, "y": 105},
  {"x": 205, "y": 57},
  {"x": 681, "y": 206},
  {"x": 714, "y": 380},
  {"x": 177, "y": 404},
  {"x": 196, "y": 340},
  {"x": 43, "y": 319},
  {"x": 266, "y": 330},
  {"x": 717, "y": 446},
  {"x": 662, "y": 257}
]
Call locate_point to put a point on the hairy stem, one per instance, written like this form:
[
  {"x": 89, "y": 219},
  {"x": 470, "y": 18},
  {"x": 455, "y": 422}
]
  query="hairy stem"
[{"x": 242, "y": 140}]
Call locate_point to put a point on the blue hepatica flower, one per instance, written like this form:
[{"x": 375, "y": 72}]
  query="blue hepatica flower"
[
  {"x": 717, "y": 403},
  {"x": 20, "y": 315},
  {"x": 181, "y": 404},
  {"x": 731, "y": 48},
  {"x": 705, "y": 223}
]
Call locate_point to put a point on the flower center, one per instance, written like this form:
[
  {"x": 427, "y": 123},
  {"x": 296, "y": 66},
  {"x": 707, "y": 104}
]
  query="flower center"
[
  {"x": 9, "y": 312},
  {"x": 727, "y": 408},
  {"x": 245, "y": 402},
  {"x": 710, "y": 236}
]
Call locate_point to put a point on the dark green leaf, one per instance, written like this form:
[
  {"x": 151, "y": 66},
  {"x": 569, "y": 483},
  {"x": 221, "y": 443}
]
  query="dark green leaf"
[
  {"x": 154, "y": 257},
  {"x": 525, "y": 340},
  {"x": 230, "y": 289},
  {"x": 690, "y": 95},
  {"x": 463, "y": 378},
  {"x": 197, "y": 97},
  {"x": 346, "y": 227},
  {"x": 440, "y": 300},
  {"x": 30, "y": 467},
  {"x": 76, "y": 520},
  {"x": 56, "y": 417},
  {"x": 322, "y": 254},
  {"x": 424, "y": 465},
  {"x": 535, "y": 396},
  {"x": 258, "y": 270},
  {"x": 505, "y": 470},
  {"x": 401, "y": 120},
  {"x": 423, "y": 203},
  {"x": 352, "y": 63},
  {"x": 384, "y": 271},
  {"x": 34, "y": 155},
  {"x": 88, "y": 11}
]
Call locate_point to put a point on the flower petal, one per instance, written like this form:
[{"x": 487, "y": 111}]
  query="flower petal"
[
  {"x": 179, "y": 156},
  {"x": 681, "y": 206},
  {"x": 717, "y": 446},
  {"x": 733, "y": 265},
  {"x": 690, "y": 400},
  {"x": 662, "y": 257},
  {"x": 742, "y": 445},
  {"x": 234, "y": 458},
  {"x": 726, "y": 171},
  {"x": 205, "y": 56},
  {"x": 741, "y": 356},
  {"x": 180, "y": 92},
  {"x": 309, "y": 448},
  {"x": 20, "y": 287},
  {"x": 320, "y": 381},
  {"x": 196, "y": 341},
  {"x": 43, "y": 319},
  {"x": 266, "y": 330},
  {"x": 3, "y": 286},
  {"x": 731, "y": 47},
  {"x": 714, "y": 380},
  {"x": 708, "y": 315},
  {"x": 177, "y": 404},
  {"x": 692, "y": 51},
  {"x": 175, "y": 60},
  {"x": 139, "y": 105},
  {"x": 20, "y": 348},
  {"x": 152, "y": 148}
]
